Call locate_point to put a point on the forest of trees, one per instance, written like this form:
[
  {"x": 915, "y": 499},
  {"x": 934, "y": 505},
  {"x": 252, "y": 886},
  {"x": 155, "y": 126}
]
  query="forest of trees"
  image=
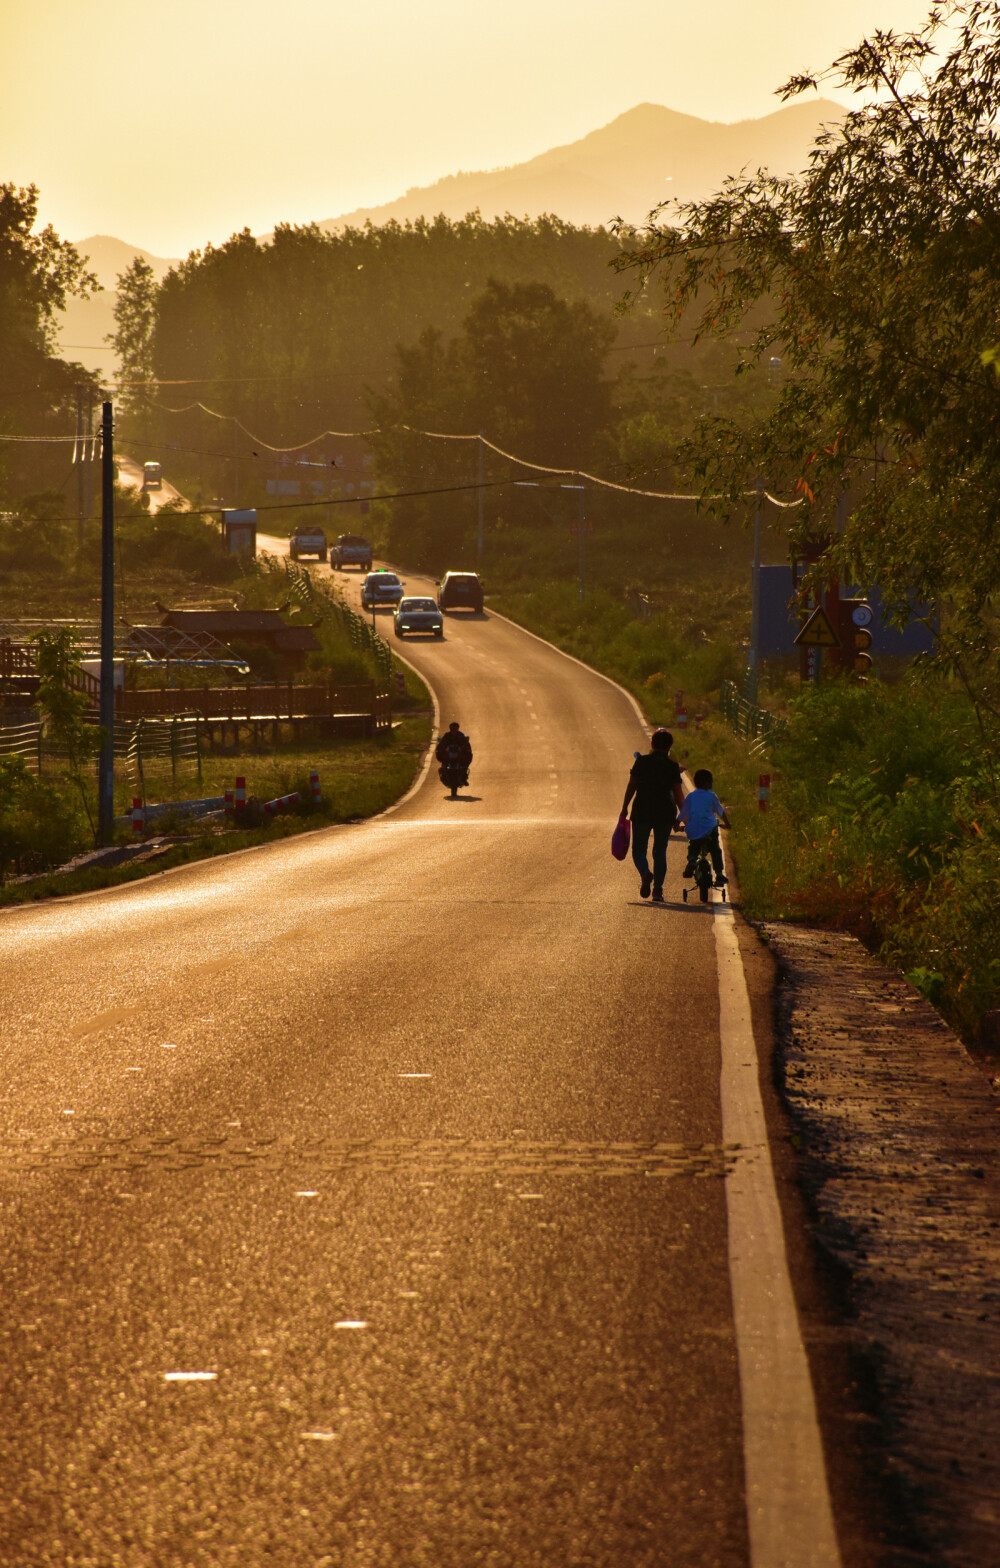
[
  {"x": 506, "y": 328},
  {"x": 38, "y": 389}
]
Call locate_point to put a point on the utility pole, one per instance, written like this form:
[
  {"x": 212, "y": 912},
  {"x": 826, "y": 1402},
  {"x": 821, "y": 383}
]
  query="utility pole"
[
  {"x": 106, "y": 761},
  {"x": 236, "y": 458},
  {"x": 758, "y": 522},
  {"x": 479, "y": 504}
]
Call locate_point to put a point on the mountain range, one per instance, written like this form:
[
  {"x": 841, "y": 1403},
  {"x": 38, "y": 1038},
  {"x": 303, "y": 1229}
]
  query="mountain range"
[{"x": 645, "y": 156}]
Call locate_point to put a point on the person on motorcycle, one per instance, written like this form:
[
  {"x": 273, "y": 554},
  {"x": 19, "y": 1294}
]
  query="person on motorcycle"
[
  {"x": 454, "y": 746},
  {"x": 454, "y": 753}
]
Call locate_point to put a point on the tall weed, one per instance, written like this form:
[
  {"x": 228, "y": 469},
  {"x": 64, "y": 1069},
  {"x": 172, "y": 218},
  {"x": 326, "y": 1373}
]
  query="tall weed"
[{"x": 884, "y": 821}]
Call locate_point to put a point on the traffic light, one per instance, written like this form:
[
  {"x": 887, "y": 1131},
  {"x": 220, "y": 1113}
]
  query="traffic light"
[{"x": 855, "y": 636}]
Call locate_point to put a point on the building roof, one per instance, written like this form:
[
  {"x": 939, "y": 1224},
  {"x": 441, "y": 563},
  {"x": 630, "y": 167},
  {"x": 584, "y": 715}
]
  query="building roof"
[
  {"x": 170, "y": 642},
  {"x": 224, "y": 623},
  {"x": 265, "y": 626}
]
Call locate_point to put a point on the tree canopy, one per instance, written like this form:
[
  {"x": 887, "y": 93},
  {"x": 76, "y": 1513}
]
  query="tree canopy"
[
  {"x": 878, "y": 270},
  {"x": 37, "y": 272}
]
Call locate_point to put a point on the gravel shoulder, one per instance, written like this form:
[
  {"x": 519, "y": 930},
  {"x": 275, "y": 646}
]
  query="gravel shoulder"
[{"x": 896, "y": 1132}]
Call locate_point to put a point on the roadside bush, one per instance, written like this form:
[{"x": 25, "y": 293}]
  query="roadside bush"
[
  {"x": 653, "y": 658},
  {"x": 41, "y": 825},
  {"x": 65, "y": 707},
  {"x": 36, "y": 538},
  {"x": 175, "y": 538},
  {"x": 884, "y": 821}
]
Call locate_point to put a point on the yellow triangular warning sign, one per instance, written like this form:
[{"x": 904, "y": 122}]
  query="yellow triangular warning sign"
[{"x": 818, "y": 632}]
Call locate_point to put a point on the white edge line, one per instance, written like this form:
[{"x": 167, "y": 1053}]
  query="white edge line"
[
  {"x": 789, "y": 1515},
  {"x": 574, "y": 660},
  {"x": 418, "y": 782}
]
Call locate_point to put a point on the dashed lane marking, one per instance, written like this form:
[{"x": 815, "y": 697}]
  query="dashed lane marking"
[{"x": 441, "y": 1156}]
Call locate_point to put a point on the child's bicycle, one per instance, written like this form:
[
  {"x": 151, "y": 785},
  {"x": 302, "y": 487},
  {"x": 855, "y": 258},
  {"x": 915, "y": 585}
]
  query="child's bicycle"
[{"x": 703, "y": 876}]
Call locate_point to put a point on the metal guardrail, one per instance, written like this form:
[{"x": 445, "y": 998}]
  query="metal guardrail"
[
  {"x": 359, "y": 633},
  {"x": 749, "y": 722}
]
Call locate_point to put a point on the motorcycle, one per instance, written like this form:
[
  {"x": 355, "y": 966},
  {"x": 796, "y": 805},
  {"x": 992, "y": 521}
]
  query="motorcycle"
[{"x": 454, "y": 770}]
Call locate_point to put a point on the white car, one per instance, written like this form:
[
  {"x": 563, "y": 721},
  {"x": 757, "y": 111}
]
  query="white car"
[
  {"x": 381, "y": 588},
  {"x": 418, "y": 615}
]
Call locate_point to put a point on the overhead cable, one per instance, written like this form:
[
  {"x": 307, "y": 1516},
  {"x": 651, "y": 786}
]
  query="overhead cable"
[{"x": 434, "y": 435}]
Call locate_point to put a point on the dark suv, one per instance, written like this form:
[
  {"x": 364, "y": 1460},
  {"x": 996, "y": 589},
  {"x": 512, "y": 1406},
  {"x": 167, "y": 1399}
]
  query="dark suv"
[{"x": 460, "y": 591}]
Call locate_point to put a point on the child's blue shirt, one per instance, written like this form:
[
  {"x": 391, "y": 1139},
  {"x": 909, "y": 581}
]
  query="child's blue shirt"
[{"x": 700, "y": 813}]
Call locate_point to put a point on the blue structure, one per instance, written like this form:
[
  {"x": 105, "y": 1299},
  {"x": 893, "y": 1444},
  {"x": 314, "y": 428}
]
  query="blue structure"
[{"x": 779, "y": 625}]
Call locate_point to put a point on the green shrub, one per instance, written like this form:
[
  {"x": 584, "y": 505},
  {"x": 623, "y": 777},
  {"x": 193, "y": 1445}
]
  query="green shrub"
[
  {"x": 884, "y": 821},
  {"x": 41, "y": 823},
  {"x": 654, "y": 658},
  {"x": 178, "y": 539}
]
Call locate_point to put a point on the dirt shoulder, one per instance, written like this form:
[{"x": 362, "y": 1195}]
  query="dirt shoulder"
[{"x": 896, "y": 1136}]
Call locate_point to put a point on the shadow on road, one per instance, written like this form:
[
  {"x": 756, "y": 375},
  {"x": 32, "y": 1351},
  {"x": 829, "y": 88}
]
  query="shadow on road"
[{"x": 668, "y": 903}]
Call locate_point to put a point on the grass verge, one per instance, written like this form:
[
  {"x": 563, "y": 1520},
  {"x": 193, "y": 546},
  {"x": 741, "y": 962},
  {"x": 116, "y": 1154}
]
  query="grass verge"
[{"x": 360, "y": 779}]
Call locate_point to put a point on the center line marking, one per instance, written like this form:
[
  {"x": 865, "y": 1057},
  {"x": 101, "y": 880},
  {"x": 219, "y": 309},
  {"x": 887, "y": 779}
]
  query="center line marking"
[{"x": 789, "y": 1516}]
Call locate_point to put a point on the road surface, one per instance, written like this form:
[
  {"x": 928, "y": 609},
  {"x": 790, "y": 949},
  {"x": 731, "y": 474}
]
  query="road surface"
[
  {"x": 363, "y": 1195},
  {"x": 130, "y": 475}
]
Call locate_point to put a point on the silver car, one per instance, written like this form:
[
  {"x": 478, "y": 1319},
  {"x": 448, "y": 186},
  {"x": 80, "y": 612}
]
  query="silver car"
[
  {"x": 418, "y": 615},
  {"x": 381, "y": 587}
]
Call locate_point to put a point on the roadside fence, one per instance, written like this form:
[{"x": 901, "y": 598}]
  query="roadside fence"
[
  {"x": 749, "y": 722},
  {"x": 140, "y": 741},
  {"x": 329, "y": 608},
  {"x": 23, "y": 740}
]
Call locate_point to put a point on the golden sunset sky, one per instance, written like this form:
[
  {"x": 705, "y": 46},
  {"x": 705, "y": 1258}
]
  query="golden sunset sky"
[{"x": 170, "y": 123}]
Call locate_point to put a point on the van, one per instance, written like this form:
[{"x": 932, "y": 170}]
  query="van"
[{"x": 152, "y": 476}]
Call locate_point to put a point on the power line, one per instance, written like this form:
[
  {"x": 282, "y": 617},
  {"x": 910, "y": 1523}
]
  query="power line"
[{"x": 433, "y": 435}]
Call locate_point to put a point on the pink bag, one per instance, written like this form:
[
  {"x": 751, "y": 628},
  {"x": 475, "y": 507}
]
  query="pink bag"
[{"x": 621, "y": 837}]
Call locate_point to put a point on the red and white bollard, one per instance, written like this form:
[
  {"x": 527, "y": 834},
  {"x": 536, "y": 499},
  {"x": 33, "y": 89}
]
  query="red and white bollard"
[
  {"x": 400, "y": 680},
  {"x": 281, "y": 801},
  {"x": 317, "y": 794},
  {"x": 678, "y": 702},
  {"x": 682, "y": 720},
  {"x": 698, "y": 720},
  {"x": 241, "y": 793},
  {"x": 763, "y": 791},
  {"x": 138, "y": 815},
  {"x": 230, "y": 798}
]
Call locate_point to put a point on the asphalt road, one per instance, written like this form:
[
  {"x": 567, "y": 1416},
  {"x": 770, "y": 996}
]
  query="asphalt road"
[
  {"x": 406, "y": 1137},
  {"x": 130, "y": 475}
]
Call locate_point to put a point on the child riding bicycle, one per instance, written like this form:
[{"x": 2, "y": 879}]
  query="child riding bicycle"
[{"x": 701, "y": 816}]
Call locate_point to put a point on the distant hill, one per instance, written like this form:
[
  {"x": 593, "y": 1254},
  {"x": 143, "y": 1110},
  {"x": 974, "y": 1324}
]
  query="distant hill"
[
  {"x": 86, "y": 322},
  {"x": 645, "y": 156}
]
